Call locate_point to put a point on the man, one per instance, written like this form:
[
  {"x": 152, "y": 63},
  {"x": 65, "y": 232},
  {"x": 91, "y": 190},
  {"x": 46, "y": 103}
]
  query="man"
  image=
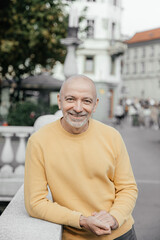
[{"x": 87, "y": 168}]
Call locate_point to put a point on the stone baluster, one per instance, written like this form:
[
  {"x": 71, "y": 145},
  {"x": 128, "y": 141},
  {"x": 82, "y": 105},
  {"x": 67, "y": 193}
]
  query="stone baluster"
[
  {"x": 13, "y": 155},
  {"x": 7, "y": 156},
  {"x": 20, "y": 154}
]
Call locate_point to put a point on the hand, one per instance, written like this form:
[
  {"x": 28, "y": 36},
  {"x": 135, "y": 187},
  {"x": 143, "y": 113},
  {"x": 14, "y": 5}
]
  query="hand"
[
  {"x": 94, "y": 225},
  {"x": 106, "y": 218}
]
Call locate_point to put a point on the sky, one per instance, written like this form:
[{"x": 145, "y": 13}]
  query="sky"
[{"x": 140, "y": 15}]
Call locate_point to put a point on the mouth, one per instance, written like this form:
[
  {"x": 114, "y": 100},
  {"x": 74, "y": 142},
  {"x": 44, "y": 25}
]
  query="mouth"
[{"x": 77, "y": 116}]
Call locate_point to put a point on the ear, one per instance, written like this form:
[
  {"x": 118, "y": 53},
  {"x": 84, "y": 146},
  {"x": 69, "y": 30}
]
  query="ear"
[
  {"x": 95, "y": 106},
  {"x": 59, "y": 100}
]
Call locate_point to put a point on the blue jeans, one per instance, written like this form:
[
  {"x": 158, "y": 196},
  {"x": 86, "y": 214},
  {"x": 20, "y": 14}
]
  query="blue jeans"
[{"x": 130, "y": 235}]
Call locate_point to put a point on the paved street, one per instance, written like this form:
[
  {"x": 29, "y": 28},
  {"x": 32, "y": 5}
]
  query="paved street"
[{"x": 144, "y": 149}]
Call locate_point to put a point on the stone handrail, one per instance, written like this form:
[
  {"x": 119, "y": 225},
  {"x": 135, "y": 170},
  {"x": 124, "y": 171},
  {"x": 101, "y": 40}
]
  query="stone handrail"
[{"x": 15, "y": 223}]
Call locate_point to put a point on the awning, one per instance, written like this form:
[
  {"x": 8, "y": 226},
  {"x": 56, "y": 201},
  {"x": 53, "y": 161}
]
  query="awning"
[{"x": 43, "y": 81}]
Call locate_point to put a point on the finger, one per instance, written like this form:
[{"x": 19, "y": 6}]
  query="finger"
[
  {"x": 94, "y": 213},
  {"x": 102, "y": 213},
  {"x": 99, "y": 231},
  {"x": 102, "y": 216},
  {"x": 104, "y": 226}
]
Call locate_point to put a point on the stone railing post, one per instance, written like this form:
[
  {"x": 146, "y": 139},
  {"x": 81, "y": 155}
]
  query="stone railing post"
[
  {"x": 20, "y": 154},
  {"x": 7, "y": 155}
]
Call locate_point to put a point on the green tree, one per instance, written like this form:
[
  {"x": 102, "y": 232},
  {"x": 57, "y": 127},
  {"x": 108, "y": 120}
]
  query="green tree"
[
  {"x": 30, "y": 33},
  {"x": 25, "y": 113}
]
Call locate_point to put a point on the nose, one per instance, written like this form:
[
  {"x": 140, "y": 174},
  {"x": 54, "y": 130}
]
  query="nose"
[{"x": 78, "y": 106}]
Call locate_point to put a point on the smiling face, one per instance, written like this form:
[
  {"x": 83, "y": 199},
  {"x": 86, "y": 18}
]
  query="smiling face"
[{"x": 78, "y": 101}]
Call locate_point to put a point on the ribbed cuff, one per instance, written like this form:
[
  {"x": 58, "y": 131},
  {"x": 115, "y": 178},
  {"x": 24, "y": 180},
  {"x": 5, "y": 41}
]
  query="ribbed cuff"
[
  {"x": 74, "y": 219},
  {"x": 119, "y": 217}
]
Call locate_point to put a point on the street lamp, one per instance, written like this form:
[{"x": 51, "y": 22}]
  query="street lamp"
[{"x": 71, "y": 42}]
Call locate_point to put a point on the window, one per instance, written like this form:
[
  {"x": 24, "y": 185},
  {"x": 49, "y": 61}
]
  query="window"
[
  {"x": 127, "y": 68},
  {"x": 143, "y": 52},
  {"x": 150, "y": 66},
  {"x": 89, "y": 64},
  {"x": 135, "y": 53},
  {"x": 115, "y": 2},
  {"x": 113, "y": 31},
  {"x": 90, "y": 28},
  {"x": 127, "y": 54},
  {"x": 135, "y": 68},
  {"x": 142, "y": 67},
  {"x": 152, "y": 51},
  {"x": 113, "y": 65},
  {"x": 122, "y": 67}
]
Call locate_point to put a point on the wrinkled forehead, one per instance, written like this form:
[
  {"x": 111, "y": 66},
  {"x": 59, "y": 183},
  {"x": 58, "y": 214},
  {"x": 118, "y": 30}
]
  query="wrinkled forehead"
[{"x": 79, "y": 85}]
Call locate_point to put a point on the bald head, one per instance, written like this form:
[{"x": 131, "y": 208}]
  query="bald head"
[
  {"x": 77, "y": 100},
  {"x": 76, "y": 80}
]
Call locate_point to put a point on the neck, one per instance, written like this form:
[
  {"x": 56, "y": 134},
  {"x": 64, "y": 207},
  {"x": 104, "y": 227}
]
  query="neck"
[{"x": 73, "y": 130}]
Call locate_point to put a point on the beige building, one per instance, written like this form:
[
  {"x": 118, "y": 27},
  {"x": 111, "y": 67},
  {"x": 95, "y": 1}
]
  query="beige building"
[{"x": 141, "y": 65}]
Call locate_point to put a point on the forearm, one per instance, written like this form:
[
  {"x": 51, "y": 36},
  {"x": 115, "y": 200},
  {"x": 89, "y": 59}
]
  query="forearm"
[
  {"x": 45, "y": 209},
  {"x": 124, "y": 203},
  {"x": 125, "y": 186}
]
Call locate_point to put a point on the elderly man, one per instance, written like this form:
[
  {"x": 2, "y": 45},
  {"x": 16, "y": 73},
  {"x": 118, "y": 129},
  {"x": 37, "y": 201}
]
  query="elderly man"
[{"x": 86, "y": 165}]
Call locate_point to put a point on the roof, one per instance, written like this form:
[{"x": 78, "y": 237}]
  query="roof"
[
  {"x": 145, "y": 36},
  {"x": 42, "y": 81}
]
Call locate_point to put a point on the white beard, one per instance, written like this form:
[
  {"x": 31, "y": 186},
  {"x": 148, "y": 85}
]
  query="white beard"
[{"x": 77, "y": 123}]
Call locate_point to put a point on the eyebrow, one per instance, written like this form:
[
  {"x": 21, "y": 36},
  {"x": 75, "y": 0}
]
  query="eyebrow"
[
  {"x": 69, "y": 96},
  {"x": 89, "y": 98}
]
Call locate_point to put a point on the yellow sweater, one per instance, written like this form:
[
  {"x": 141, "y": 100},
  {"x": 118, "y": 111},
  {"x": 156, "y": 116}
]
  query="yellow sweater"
[{"x": 86, "y": 172}]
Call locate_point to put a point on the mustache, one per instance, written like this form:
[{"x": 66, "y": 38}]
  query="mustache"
[{"x": 77, "y": 114}]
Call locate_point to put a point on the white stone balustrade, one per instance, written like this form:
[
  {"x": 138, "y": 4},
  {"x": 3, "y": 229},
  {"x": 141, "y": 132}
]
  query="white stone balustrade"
[
  {"x": 12, "y": 156},
  {"x": 12, "y": 159}
]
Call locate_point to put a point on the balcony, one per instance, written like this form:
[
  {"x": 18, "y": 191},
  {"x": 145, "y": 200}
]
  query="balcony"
[{"x": 116, "y": 48}]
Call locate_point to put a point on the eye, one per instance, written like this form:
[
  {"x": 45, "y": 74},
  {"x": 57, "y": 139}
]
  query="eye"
[
  {"x": 69, "y": 99},
  {"x": 87, "y": 101}
]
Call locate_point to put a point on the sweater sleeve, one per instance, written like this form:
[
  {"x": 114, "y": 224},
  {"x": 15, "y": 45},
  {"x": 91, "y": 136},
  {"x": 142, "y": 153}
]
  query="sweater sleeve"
[
  {"x": 35, "y": 191},
  {"x": 125, "y": 185}
]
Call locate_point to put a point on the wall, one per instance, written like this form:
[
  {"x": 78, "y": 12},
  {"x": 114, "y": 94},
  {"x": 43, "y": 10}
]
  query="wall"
[{"x": 145, "y": 81}]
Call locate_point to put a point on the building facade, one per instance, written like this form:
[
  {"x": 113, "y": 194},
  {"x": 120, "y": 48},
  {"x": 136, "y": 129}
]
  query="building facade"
[
  {"x": 99, "y": 55},
  {"x": 141, "y": 71}
]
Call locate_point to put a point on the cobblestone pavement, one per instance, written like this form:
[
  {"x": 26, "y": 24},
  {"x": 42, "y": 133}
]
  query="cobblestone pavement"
[{"x": 143, "y": 146}]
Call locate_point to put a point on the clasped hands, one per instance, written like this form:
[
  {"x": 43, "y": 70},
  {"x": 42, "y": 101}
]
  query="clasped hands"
[{"x": 100, "y": 223}]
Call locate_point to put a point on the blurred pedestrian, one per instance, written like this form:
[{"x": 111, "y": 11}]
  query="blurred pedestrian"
[
  {"x": 154, "y": 116},
  {"x": 119, "y": 113}
]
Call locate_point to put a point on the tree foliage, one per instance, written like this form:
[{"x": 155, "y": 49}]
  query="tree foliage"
[
  {"x": 25, "y": 113},
  {"x": 30, "y": 33}
]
